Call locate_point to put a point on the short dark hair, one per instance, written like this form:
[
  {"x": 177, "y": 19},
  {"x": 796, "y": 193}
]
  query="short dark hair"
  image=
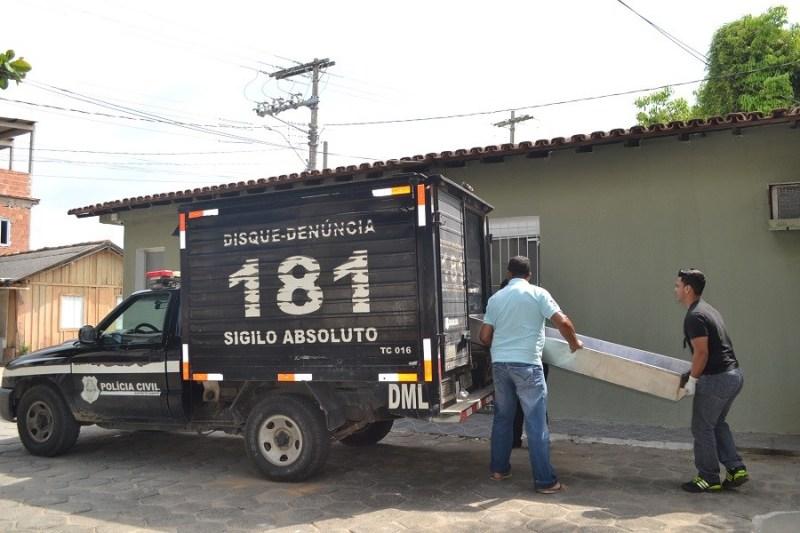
[
  {"x": 693, "y": 278},
  {"x": 519, "y": 266}
]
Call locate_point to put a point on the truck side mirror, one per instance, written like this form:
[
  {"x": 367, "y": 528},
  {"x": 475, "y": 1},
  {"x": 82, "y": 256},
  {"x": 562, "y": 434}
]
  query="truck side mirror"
[{"x": 87, "y": 335}]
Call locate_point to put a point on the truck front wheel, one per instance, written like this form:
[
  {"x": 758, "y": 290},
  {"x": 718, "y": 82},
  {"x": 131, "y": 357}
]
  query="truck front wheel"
[
  {"x": 370, "y": 434},
  {"x": 45, "y": 424},
  {"x": 286, "y": 438}
]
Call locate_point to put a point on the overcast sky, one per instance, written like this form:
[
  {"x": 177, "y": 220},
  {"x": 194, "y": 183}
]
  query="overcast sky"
[{"x": 198, "y": 63}]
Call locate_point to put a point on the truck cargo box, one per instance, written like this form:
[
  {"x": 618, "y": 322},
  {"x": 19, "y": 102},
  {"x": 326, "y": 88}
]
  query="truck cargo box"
[{"x": 367, "y": 281}]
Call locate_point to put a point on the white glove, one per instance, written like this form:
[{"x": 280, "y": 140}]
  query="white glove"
[{"x": 691, "y": 383}]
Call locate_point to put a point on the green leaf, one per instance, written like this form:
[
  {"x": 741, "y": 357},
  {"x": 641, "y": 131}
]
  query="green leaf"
[
  {"x": 20, "y": 65},
  {"x": 3, "y": 83}
]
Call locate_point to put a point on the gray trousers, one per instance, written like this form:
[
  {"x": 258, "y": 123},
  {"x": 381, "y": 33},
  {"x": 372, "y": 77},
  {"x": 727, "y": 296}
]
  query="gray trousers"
[{"x": 713, "y": 441}]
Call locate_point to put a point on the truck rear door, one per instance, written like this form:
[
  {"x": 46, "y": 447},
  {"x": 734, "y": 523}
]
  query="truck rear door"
[{"x": 455, "y": 319}]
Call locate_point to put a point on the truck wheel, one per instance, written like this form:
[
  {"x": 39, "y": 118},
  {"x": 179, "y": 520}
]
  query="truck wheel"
[
  {"x": 371, "y": 434},
  {"x": 45, "y": 424},
  {"x": 286, "y": 437}
]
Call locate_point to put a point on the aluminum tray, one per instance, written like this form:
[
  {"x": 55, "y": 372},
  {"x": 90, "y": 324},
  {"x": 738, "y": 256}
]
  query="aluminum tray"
[
  {"x": 627, "y": 367},
  {"x": 651, "y": 373}
]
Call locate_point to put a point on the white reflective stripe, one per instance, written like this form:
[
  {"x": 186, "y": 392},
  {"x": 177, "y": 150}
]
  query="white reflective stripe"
[
  {"x": 185, "y": 353},
  {"x": 302, "y": 377},
  {"x": 148, "y": 368},
  {"x": 173, "y": 366},
  {"x": 377, "y": 193},
  {"x": 36, "y": 370},
  {"x": 426, "y": 349},
  {"x": 182, "y": 239},
  {"x": 210, "y": 212},
  {"x": 387, "y": 377},
  {"x": 213, "y": 377},
  {"x": 420, "y": 215}
]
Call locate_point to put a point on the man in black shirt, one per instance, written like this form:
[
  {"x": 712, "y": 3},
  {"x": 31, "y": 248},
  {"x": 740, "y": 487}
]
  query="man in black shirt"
[{"x": 715, "y": 380}]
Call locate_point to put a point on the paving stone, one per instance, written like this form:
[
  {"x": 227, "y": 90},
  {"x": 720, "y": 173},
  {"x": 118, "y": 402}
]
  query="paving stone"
[{"x": 116, "y": 481}]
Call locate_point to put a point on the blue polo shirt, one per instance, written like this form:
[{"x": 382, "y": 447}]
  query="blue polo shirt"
[{"x": 517, "y": 313}]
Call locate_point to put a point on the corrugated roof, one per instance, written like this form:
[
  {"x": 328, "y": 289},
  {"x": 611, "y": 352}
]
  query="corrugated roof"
[
  {"x": 18, "y": 266},
  {"x": 459, "y": 157}
]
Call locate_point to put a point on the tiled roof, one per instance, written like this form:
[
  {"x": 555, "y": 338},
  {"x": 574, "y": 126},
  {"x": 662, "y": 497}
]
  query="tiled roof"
[
  {"x": 21, "y": 265},
  {"x": 459, "y": 157}
]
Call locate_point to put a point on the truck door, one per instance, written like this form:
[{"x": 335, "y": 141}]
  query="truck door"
[
  {"x": 123, "y": 376},
  {"x": 455, "y": 318}
]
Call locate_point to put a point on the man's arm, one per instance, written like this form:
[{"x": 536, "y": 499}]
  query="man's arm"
[
  {"x": 699, "y": 356},
  {"x": 567, "y": 330},
  {"x": 486, "y": 334}
]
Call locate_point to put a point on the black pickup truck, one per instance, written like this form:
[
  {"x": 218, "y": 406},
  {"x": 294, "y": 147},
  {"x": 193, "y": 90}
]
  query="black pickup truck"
[{"x": 305, "y": 314}]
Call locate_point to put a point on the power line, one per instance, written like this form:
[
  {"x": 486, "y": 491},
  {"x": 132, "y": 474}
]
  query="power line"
[
  {"x": 683, "y": 46},
  {"x": 560, "y": 102},
  {"x": 125, "y": 117},
  {"x": 102, "y": 152},
  {"x": 132, "y": 180},
  {"x": 155, "y": 118}
]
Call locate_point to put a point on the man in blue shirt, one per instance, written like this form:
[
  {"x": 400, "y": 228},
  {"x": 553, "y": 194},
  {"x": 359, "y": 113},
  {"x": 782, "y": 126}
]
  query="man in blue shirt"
[{"x": 513, "y": 328}]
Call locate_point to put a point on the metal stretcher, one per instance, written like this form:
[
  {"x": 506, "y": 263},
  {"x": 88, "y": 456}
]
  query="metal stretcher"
[
  {"x": 651, "y": 373},
  {"x": 648, "y": 372}
]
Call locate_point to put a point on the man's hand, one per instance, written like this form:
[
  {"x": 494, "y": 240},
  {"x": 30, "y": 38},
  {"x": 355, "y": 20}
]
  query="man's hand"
[
  {"x": 690, "y": 385},
  {"x": 567, "y": 330}
]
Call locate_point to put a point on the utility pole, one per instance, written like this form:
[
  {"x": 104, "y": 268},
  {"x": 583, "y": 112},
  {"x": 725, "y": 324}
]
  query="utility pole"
[
  {"x": 512, "y": 122},
  {"x": 295, "y": 101}
]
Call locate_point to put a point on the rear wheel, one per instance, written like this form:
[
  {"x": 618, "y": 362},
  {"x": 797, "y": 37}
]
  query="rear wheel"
[
  {"x": 286, "y": 437},
  {"x": 371, "y": 434},
  {"x": 45, "y": 424}
]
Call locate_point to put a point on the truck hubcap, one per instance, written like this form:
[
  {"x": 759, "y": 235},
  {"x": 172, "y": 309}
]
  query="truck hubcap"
[
  {"x": 281, "y": 441},
  {"x": 40, "y": 421}
]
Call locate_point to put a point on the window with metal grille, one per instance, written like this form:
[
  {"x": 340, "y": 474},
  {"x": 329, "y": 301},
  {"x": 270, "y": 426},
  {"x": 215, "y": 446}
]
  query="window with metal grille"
[{"x": 513, "y": 236}]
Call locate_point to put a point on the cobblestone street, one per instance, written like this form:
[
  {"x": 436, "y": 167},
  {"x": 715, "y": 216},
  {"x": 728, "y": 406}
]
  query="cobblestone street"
[{"x": 148, "y": 481}]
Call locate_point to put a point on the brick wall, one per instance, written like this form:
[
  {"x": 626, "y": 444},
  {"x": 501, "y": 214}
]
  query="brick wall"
[{"x": 16, "y": 184}]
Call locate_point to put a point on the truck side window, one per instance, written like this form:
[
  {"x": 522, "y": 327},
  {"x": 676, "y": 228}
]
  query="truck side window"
[{"x": 141, "y": 322}]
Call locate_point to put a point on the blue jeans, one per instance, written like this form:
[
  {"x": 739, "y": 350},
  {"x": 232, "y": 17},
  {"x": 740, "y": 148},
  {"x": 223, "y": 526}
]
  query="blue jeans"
[
  {"x": 713, "y": 441},
  {"x": 525, "y": 382}
]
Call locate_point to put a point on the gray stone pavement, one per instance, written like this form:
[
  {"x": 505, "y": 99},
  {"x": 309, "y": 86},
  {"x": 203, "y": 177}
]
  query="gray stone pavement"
[
  {"x": 147, "y": 481},
  {"x": 584, "y": 431}
]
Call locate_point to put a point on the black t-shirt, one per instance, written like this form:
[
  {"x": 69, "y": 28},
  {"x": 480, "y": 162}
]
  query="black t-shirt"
[{"x": 702, "y": 320}]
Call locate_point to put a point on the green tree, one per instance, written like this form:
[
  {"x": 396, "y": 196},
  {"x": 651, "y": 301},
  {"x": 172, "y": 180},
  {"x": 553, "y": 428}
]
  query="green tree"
[
  {"x": 12, "y": 69},
  {"x": 764, "y": 46},
  {"x": 659, "y": 108}
]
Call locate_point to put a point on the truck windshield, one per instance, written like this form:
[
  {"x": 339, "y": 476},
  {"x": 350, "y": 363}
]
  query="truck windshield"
[{"x": 141, "y": 322}]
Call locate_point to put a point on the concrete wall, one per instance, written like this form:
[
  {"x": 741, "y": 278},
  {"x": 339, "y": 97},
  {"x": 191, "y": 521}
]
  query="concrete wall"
[
  {"x": 147, "y": 229},
  {"x": 616, "y": 225}
]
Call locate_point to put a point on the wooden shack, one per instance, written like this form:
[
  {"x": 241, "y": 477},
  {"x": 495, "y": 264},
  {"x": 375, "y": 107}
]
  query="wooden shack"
[{"x": 46, "y": 295}]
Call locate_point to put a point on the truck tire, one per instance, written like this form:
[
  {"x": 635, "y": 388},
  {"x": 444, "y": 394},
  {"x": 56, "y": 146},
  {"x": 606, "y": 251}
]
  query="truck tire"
[
  {"x": 286, "y": 437},
  {"x": 45, "y": 424},
  {"x": 371, "y": 434}
]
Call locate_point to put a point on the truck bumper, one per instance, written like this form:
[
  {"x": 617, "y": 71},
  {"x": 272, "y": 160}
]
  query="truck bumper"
[{"x": 6, "y": 412}]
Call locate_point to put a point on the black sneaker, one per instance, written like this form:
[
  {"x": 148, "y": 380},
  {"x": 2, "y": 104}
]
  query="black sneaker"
[
  {"x": 699, "y": 484},
  {"x": 736, "y": 478}
]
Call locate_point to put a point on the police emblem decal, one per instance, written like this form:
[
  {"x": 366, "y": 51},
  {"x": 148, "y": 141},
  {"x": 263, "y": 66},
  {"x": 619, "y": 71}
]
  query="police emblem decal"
[{"x": 90, "y": 392}]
